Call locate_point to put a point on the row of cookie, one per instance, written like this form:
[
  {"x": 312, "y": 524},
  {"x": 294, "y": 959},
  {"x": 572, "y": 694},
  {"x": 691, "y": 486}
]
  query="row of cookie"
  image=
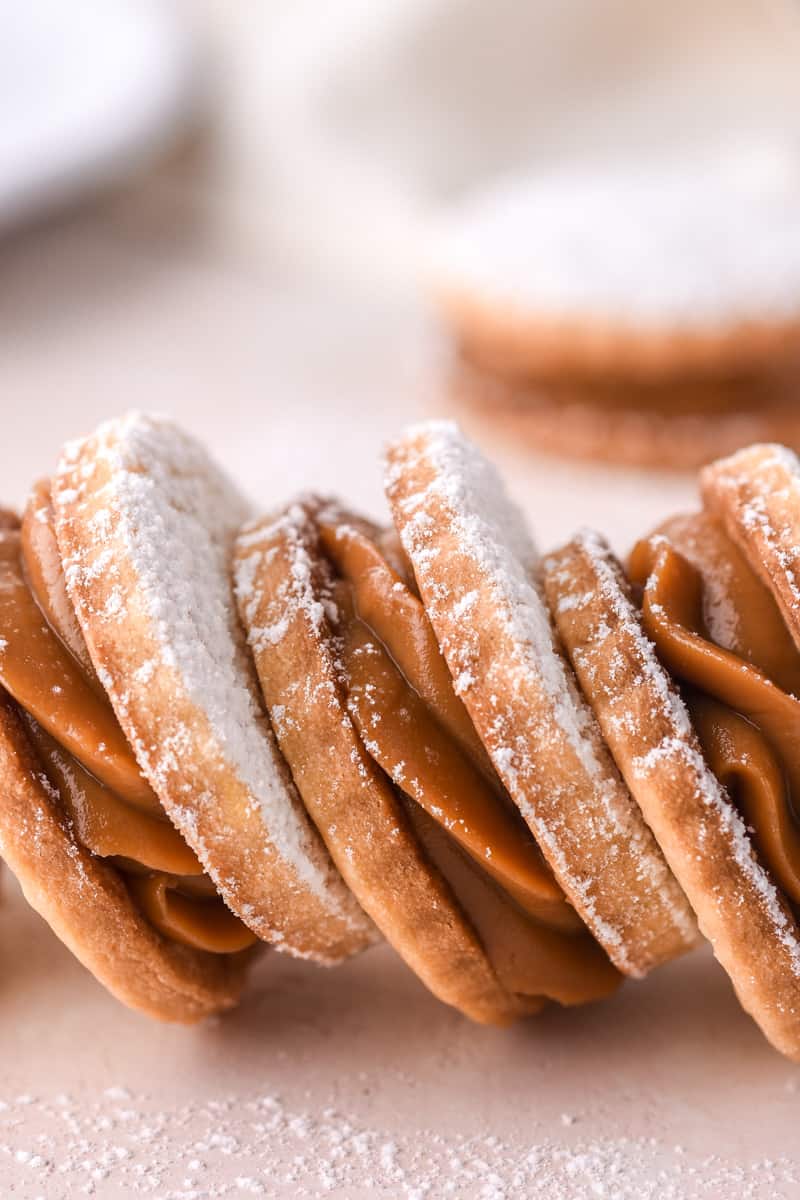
[{"x": 431, "y": 769}]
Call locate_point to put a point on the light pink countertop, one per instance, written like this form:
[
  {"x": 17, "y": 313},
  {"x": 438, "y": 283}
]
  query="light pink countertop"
[{"x": 351, "y": 1082}]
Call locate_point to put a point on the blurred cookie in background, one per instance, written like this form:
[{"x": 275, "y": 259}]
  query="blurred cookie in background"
[
  {"x": 643, "y": 314},
  {"x": 680, "y": 424}
]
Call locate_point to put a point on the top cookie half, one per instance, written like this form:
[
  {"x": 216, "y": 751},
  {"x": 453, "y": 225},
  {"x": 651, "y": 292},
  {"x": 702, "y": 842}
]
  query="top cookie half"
[
  {"x": 145, "y": 524},
  {"x": 648, "y": 272},
  {"x": 475, "y": 568}
]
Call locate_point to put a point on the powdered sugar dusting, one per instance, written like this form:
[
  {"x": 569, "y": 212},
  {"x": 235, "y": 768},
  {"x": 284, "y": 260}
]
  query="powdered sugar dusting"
[
  {"x": 122, "y": 1143},
  {"x": 176, "y": 515},
  {"x": 491, "y": 534},
  {"x": 299, "y": 595},
  {"x": 675, "y": 748},
  {"x": 697, "y": 242}
]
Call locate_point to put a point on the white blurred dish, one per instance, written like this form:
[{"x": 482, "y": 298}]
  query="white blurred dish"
[{"x": 89, "y": 91}]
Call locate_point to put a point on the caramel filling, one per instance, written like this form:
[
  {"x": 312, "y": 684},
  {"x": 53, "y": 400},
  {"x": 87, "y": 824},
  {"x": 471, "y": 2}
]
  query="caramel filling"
[
  {"x": 718, "y": 630},
  {"x": 403, "y": 703},
  {"x": 83, "y": 752}
]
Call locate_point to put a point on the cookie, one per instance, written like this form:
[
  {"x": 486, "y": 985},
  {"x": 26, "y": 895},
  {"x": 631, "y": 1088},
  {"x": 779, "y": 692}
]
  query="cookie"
[
  {"x": 648, "y": 272},
  {"x": 83, "y": 832},
  {"x": 380, "y": 765},
  {"x": 756, "y": 493},
  {"x": 87, "y": 904},
  {"x": 678, "y": 425},
  {"x": 475, "y": 568},
  {"x": 145, "y": 526},
  {"x": 654, "y": 742}
]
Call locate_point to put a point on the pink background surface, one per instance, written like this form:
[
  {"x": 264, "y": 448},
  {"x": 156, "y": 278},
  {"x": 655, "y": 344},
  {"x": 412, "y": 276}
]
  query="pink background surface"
[{"x": 347, "y": 1082}]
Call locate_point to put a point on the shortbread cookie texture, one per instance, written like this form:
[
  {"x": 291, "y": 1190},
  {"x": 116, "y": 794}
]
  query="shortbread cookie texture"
[
  {"x": 646, "y": 725},
  {"x": 145, "y": 525},
  {"x": 474, "y": 564},
  {"x": 88, "y": 906},
  {"x": 286, "y": 603}
]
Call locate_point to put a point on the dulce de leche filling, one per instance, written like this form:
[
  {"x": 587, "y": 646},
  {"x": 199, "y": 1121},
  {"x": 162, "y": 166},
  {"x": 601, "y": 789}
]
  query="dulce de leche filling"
[
  {"x": 718, "y": 630},
  {"x": 114, "y": 813},
  {"x": 403, "y": 703}
]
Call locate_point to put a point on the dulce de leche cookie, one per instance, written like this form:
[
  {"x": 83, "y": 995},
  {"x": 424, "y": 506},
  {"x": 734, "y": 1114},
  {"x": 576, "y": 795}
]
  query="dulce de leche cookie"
[
  {"x": 391, "y": 769},
  {"x": 147, "y": 811},
  {"x": 79, "y": 826},
  {"x": 646, "y": 313},
  {"x": 86, "y": 902},
  {"x": 711, "y": 785},
  {"x": 475, "y": 566},
  {"x": 145, "y": 525},
  {"x": 595, "y": 272}
]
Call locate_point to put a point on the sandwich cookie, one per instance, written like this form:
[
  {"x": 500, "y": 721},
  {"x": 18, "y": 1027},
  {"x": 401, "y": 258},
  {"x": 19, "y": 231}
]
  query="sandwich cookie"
[
  {"x": 475, "y": 568},
  {"x": 148, "y": 813},
  {"x": 79, "y": 826},
  {"x": 683, "y": 268},
  {"x": 714, "y": 768},
  {"x": 620, "y": 291},
  {"x": 393, "y": 773}
]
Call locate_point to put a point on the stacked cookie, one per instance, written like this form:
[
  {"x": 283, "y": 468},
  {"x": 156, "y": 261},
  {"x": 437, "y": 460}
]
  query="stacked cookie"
[
  {"x": 643, "y": 314},
  {"x": 310, "y": 731}
]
